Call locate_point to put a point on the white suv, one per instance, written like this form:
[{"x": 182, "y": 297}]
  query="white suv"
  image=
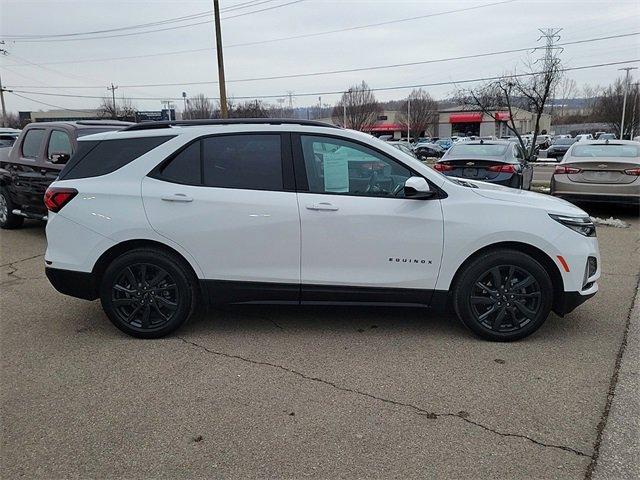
[{"x": 159, "y": 218}]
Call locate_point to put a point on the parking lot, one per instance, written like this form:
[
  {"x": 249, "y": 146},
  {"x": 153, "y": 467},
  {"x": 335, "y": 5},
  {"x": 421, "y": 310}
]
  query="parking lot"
[{"x": 291, "y": 392}]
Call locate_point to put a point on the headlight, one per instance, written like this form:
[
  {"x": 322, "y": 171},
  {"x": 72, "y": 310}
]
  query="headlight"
[{"x": 582, "y": 225}]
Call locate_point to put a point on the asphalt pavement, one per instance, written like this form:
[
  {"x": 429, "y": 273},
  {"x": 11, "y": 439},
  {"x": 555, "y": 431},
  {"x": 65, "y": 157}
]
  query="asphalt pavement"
[{"x": 324, "y": 392}]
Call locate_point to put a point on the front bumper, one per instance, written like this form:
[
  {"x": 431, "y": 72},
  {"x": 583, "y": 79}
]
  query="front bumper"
[
  {"x": 72, "y": 283},
  {"x": 572, "y": 300}
]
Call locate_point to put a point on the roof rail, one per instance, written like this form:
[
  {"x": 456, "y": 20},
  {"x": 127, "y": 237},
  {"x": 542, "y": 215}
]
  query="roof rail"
[
  {"x": 103, "y": 122},
  {"x": 226, "y": 121}
]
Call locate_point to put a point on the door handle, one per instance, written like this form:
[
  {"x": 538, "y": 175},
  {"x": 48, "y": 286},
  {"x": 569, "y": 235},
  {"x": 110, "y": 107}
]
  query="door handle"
[
  {"x": 176, "y": 197},
  {"x": 322, "y": 206}
]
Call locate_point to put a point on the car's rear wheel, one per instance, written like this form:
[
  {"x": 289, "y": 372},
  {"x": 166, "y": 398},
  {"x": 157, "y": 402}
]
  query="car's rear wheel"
[
  {"x": 8, "y": 219},
  {"x": 503, "y": 295},
  {"x": 148, "y": 293}
]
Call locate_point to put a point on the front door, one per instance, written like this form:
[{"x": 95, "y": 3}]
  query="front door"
[
  {"x": 361, "y": 239},
  {"x": 225, "y": 200}
]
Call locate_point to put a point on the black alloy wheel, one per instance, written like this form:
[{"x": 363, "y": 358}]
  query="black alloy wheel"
[
  {"x": 503, "y": 295},
  {"x": 145, "y": 296},
  {"x": 505, "y": 298},
  {"x": 148, "y": 293}
]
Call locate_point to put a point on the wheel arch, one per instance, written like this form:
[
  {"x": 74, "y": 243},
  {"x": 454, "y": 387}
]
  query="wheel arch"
[
  {"x": 539, "y": 255},
  {"x": 116, "y": 250}
]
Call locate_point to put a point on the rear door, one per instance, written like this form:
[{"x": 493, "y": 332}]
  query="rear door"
[
  {"x": 26, "y": 170},
  {"x": 229, "y": 200}
]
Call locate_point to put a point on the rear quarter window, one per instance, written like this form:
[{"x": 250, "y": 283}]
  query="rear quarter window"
[{"x": 95, "y": 158}]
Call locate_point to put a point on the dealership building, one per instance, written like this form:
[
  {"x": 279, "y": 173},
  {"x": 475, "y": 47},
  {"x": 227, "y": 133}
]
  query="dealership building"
[{"x": 460, "y": 121}]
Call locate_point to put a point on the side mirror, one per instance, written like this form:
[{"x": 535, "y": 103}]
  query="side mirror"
[
  {"x": 418, "y": 188},
  {"x": 59, "y": 157}
]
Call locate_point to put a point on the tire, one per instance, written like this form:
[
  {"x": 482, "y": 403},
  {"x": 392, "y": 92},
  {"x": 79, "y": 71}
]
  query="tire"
[
  {"x": 148, "y": 293},
  {"x": 512, "y": 311},
  {"x": 7, "y": 219}
]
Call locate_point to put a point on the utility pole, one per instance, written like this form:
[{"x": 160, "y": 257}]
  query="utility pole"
[
  {"x": 184, "y": 99},
  {"x": 2, "y": 90},
  {"x": 113, "y": 89},
  {"x": 409, "y": 119},
  {"x": 633, "y": 114},
  {"x": 4, "y": 110},
  {"x": 224, "y": 112},
  {"x": 624, "y": 98}
]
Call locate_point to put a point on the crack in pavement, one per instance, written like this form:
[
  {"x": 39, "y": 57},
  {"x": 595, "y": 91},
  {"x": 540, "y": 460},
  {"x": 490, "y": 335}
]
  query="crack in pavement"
[
  {"x": 11, "y": 264},
  {"x": 420, "y": 411}
]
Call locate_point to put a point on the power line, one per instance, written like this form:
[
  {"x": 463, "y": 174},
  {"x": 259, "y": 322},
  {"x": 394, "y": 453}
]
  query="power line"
[
  {"x": 350, "y": 70},
  {"x": 379, "y": 89},
  {"x": 194, "y": 50},
  {"x": 48, "y": 104},
  {"x": 193, "y": 16},
  {"x": 160, "y": 29}
]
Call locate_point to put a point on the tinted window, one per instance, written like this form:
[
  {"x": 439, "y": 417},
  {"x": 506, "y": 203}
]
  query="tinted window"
[
  {"x": 486, "y": 150},
  {"x": 184, "y": 167},
  {"x": 31, "y": 143},
  {"x": 59, "y": 142},
  {"x": 252, "y": 162},
  {"x": 604, "y": 150},
  {"x": 564, "y": 141},
  {"x": 338, "y": 166},
  {"x": 108, "y": 155}
]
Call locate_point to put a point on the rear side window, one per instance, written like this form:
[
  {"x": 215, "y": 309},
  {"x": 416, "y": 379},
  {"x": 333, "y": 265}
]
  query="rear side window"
[
  {"x": 252, "y": 162},
  {"x": 32, "y": 142},
  {"x": 107, "y": 156},
  {"x": 59, "y": 142},
  {"x": 184, "y": 167}
]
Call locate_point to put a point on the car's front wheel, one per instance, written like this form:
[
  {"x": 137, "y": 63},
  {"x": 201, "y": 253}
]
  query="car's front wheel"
[
  {"x": 8, "y": 219},
  {"x": 503, "y": 295},
  {"x": 148, "y": 293}
]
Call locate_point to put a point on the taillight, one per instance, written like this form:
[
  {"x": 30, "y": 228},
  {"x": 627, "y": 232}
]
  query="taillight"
[
  {"x": 502, "y": 168},
  {"x": 57, "y": 197},
  {"x": 561, "y": 169},
  {"x": 443, "y": 167},
  {"x": 633, "y": 171}
]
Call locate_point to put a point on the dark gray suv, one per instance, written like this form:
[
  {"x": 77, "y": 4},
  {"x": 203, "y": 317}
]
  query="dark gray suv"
[{"x": 36, "y": 158}]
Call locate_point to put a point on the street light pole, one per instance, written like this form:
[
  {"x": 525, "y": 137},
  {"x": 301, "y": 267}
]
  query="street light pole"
[
  {"x": 624, "y": 99},
  {"x": 224, "y": 112},
  {"x": 409, "y": 119}
]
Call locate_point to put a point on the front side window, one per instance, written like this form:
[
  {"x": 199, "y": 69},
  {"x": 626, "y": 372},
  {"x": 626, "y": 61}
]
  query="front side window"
[
  {"x": 247, "y": 161},
  {"x": 32, "y": 142},
  {"x": 59, "y": 142},
  {"x": 342, "y": 167}
]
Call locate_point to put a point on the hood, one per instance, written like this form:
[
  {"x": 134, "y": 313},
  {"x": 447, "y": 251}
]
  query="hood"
[{"x": 524, "y": 197}]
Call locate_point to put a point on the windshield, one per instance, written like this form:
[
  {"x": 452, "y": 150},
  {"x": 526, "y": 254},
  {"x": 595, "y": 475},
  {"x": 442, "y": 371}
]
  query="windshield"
[
  {"x": 477, "y": 150},
  {"x": 606, "y": 150}
]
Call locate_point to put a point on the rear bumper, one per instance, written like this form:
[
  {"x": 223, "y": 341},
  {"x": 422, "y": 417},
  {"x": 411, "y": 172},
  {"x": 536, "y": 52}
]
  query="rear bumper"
[
  {"x": 562, "y": 187},
  {"x": 72, "y": 283},
  {"x": 508, "y": 180}
]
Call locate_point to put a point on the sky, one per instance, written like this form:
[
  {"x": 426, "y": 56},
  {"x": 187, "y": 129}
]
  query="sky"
[{"x": 429, "y": 30}]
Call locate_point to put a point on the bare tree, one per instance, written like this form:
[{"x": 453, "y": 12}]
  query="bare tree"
[
  {"x": 123, "y": 109},
  {"x": 198, "y": 107},
  {"x": 568, "y": 89},
  {"x": 12, "y": 120},
  {"x": 591, "y": 94},
  {"x": 422, "y": 112},
  {"x": 528, "y": 90},
  {"x": 608, "y": 108},
  {"x": 249, "y": 109},
  {"x": 359, "y": 106}
]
